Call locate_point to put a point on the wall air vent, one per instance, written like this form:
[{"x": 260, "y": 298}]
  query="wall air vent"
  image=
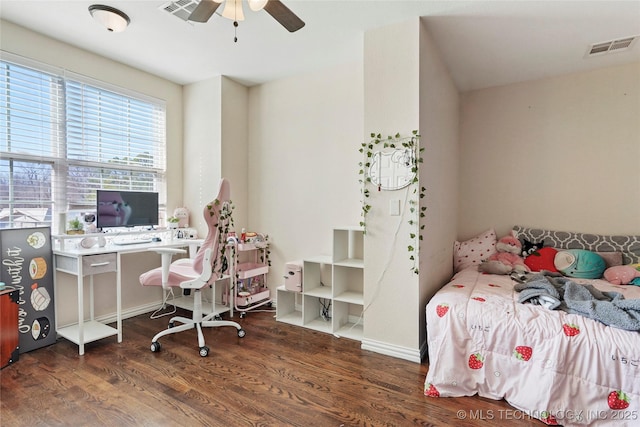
[
  {"x": 618, "y": 45},
  {"x": 180, "y": 8}
]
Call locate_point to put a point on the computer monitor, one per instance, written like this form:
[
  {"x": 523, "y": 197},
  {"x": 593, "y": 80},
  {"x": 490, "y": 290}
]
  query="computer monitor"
[{"x": 118, "y": 208}]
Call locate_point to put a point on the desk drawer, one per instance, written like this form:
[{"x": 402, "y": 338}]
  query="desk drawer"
[{"x": 101, "y": 263}]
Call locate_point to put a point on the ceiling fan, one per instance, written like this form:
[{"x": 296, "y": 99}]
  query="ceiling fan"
[{"x": 233, "y": 10}]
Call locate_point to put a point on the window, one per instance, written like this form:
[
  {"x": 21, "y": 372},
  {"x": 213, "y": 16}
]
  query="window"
[{"x": 62, "y": 136}]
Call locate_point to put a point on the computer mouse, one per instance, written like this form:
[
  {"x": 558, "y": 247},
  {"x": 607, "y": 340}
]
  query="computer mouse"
[{"x": 156, "y": 239}]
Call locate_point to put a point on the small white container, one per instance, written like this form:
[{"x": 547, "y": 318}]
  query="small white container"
[{"x": 293, "y": 276}]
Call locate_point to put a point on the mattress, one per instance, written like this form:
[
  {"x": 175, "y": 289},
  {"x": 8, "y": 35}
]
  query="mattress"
[{"x": 551, "y": 365}]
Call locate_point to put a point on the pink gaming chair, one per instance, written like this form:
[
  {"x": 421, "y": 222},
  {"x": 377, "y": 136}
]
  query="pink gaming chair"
[{"x": 194, "y": 274}]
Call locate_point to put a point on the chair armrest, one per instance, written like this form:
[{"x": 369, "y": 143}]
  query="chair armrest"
[
  {"x": 166, "y": 254},
  {"x": 169, "y": 251},
  {"x": 204, "y": 277}
]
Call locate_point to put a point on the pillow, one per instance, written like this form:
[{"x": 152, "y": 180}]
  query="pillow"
[
  {"x": 627, "y": 244},
  {"x": 473, "y": 251},
  {"x": 580, "y": 263},
  {"x": 542, "y": 259},
  {"x": 611, "y": 259}
]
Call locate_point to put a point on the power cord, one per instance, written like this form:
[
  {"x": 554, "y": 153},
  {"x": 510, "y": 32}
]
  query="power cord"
[
  {"x": 158, "y": 313},
  {"x": 392, "y": 248},
  {"x": 325, "y": 310}
]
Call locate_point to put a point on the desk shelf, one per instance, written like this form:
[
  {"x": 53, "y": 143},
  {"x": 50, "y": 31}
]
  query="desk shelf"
[
  {"x": 82, "y": 262},
  {"x": 93, "y": 331}
]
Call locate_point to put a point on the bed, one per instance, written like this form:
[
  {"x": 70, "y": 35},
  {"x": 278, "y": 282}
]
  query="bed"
[{"x": 551, "y": 365}]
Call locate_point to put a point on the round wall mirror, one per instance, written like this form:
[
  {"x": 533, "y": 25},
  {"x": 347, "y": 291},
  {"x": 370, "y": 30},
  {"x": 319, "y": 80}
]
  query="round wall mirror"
[{"x": 392, "y": 170}]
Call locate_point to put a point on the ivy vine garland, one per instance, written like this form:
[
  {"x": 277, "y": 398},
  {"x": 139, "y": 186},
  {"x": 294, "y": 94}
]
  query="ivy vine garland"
[
  {"x": 416, "y": 211},
  {"x": 224, "y": 225}
]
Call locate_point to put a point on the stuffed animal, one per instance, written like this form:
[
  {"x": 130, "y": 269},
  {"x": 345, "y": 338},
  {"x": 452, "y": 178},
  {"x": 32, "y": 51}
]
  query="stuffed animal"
[
  {"x": 622, "y": 274},
  {"x": 183, "y": 217},
  {"x": 507, "y": 259},
  {"x": 530, "y": 248}
]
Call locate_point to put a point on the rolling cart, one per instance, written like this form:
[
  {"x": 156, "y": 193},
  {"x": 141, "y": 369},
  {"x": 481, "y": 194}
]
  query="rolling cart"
[{"x": 250, "y": 291}]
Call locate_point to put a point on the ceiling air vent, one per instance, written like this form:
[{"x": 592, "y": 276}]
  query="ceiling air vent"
[
  {"x": 181, "y": 8},
  {"x": 611, "y": 46}
]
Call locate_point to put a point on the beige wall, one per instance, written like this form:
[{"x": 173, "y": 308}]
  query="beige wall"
[
  {"x": 559, "y": 153},
  {"x": 304, "y": 136},
  {"x": 135, "y": 298},
  {"x": 439, "y": 122},
  {"x": 235, "y": 148},
  {"x": 215, "y": 146},
  {"x": 202, "y": 147},
  {"x": 392, "y": 84},
  {"x": 423, "y": 97}
]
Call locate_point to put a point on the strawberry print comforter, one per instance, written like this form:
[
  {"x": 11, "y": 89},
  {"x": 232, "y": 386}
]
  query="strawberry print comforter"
[{"x": 558, "y": 367}]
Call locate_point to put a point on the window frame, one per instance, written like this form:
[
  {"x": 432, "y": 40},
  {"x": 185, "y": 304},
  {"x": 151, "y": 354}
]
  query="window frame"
[{"x": 61, "y": 202}]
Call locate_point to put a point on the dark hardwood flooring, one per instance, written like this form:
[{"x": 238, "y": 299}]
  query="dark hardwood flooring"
[{"x": 278, "y": 375}]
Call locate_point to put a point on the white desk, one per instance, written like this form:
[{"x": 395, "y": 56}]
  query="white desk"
[{"x": 87, "y": 262}]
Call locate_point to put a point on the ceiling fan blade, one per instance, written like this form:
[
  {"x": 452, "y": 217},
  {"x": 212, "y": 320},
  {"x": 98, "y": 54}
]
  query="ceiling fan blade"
[
  {"x": 204, "y": 10},
  {"x": 283, "y": 15}
]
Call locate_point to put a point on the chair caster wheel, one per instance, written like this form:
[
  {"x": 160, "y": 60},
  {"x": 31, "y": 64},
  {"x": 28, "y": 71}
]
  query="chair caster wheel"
[
  {"x": 204, "y": 351},
  {"x": 155, "y": 346},
  {"x": 171, "y": 325},
  {"x": 241, "y": 333},
  {"x": 217, "y": 317},
  {"x": 243, "y": 314}
]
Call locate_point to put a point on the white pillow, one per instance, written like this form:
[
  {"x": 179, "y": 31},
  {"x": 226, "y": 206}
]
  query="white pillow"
[{"x": 472, "y": 252}]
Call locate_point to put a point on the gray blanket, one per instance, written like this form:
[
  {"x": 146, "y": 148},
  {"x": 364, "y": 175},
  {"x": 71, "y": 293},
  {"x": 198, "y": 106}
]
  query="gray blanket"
[{"x": 558, "y": 292}]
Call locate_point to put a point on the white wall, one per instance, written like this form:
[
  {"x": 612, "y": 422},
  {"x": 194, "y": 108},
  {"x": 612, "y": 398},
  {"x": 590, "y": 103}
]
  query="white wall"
[
  {"x": 392, "y": 93},
  {"x": 304, "y": 136},
  {"x": 559, "y": 153},
  {"x": 407, "y": 87},
  {"x": 202, "y": 147},
  {"x": 215, "y": 146},
  {"x": 235, "y": 148},
  {"x": 23, "y": 42},
  {"x": 439, "y": 122}
]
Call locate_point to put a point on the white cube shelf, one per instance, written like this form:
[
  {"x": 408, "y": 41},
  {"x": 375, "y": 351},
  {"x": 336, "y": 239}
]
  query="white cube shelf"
[{"x": 335, "y": 281}]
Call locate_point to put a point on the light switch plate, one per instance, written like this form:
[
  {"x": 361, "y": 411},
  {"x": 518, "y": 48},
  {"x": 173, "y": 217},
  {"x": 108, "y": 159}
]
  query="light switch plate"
[{"x": 394, "y": 207}]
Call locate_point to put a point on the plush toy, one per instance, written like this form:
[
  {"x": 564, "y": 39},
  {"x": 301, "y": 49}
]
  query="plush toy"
[
  {"x": 622, "y": 274},
  {"x": 507, "y": 258},
  {"x": 183, "y": 217},
  {"x": 531, "y": 248},
  {"x": 580, "y": 263}
]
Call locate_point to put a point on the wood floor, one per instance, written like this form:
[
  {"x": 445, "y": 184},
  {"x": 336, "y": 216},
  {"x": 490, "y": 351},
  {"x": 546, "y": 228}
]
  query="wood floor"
[{"x": 278, "y": 375}]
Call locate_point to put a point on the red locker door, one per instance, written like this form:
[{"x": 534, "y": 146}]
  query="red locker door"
[{"x": 8, "y": 327}]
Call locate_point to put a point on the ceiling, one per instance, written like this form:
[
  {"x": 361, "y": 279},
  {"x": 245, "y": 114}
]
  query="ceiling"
[{"x": 483, "y": 43}]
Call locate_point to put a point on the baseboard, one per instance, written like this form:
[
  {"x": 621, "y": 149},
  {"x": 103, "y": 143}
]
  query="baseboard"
[{"x": 392, "y": 350}]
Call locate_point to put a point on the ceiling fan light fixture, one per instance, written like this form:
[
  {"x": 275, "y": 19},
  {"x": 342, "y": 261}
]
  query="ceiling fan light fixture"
[
  {"x": 111, "y": 18},
  {"x": 257, "y": 5},
  {"x": 233, "y": 10}
]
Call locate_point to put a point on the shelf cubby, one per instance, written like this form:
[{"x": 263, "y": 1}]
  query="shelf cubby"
[
  {"x": 288, "y": 310},
  {"x": 311, "y": 308},
  {"x": 336, "y": 280},
  {"x": 347, "y": 320}
]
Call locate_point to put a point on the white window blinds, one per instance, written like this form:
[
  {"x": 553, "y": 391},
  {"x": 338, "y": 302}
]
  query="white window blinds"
[
  {"x": 113, "y": 141},
  {"x": 62, "y": 136},
  {"x": 31, "y": 113}
]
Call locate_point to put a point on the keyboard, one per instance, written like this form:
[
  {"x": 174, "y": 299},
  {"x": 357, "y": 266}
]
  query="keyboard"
[{"x": 129, "y": 241}]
